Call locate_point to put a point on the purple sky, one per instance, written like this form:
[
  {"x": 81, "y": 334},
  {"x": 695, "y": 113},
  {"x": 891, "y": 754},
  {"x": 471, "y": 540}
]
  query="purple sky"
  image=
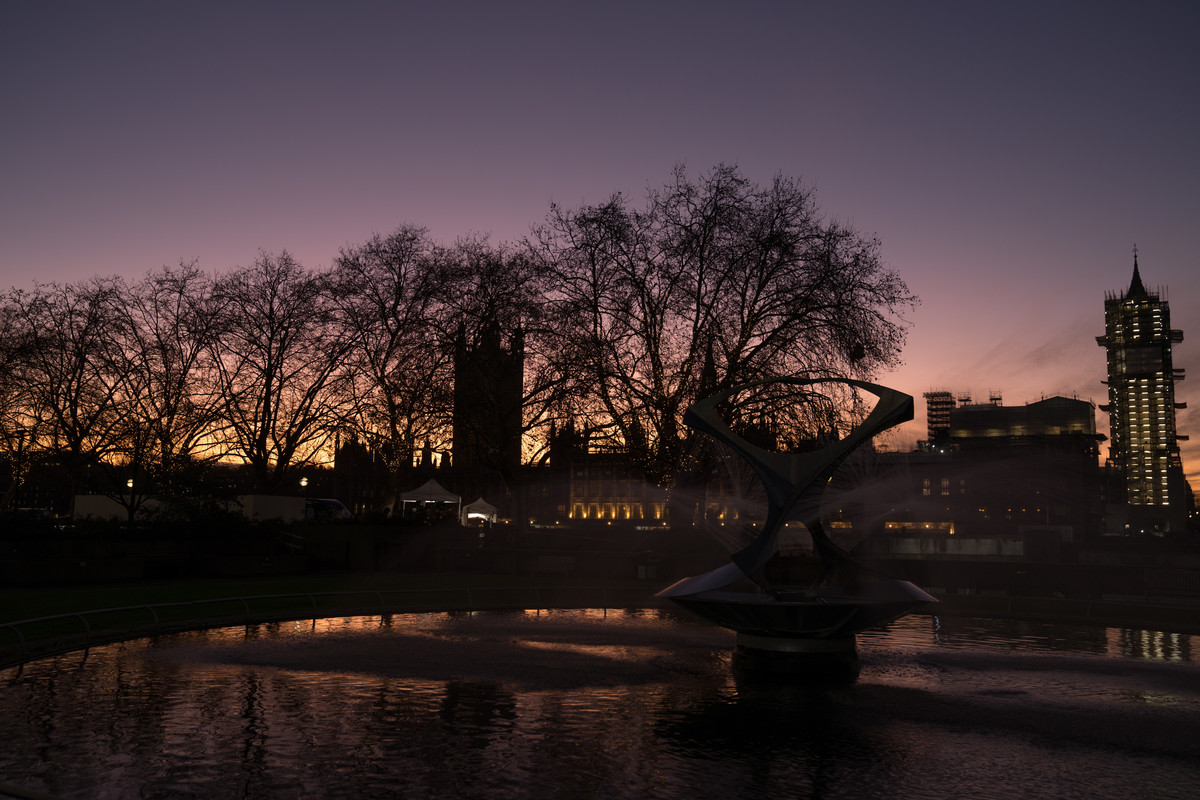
[{"x": 1008, "y": 154}]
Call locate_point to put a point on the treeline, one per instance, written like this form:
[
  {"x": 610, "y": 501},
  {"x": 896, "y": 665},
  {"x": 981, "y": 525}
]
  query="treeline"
[{"x": 627, "y": 314}]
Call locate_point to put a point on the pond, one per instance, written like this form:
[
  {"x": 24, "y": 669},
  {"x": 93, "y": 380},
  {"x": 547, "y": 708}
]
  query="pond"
[{"x": 632, "y": 704}]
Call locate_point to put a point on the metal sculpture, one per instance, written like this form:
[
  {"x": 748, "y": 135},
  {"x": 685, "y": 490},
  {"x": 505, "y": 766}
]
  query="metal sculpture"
[{"x": 809, "y": 628}]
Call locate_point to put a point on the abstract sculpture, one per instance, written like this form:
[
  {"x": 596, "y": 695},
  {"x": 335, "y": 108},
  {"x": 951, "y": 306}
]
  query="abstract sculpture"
[{"x": 806, "y": 629}]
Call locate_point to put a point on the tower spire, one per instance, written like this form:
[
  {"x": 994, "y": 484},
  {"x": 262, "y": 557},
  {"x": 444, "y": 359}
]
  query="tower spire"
[
  {"x": 1141, "y": 408},
  {"x": 1136, "y": 289}
]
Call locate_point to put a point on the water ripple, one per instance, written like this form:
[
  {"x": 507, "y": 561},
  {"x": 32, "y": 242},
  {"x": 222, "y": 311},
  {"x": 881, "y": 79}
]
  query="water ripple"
[{"x": 590, "y": 704}]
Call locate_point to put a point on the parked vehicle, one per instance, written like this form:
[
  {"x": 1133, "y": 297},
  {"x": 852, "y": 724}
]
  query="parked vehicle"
[{"x": 326, "y": 510}]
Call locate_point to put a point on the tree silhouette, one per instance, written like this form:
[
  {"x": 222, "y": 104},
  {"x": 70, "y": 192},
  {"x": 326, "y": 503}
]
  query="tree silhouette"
[
  {"x": 68, "y": 343},
  {"x": 280, "y": 368},
  {"x": 713, "y": 283},
  {"x": 387, "y": 296},
  {"x": 609, "y": 318},
  {"x": 169, "y": 406}
]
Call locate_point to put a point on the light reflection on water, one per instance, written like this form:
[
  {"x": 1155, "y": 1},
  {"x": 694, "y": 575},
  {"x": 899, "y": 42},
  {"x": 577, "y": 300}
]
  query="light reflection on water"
[
  {"x": 595, "y": 704},
  {"x": 1031, "y": 636}
]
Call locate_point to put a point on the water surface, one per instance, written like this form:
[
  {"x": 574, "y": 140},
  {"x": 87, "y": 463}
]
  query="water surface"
[{"x": 577, "y": 704}]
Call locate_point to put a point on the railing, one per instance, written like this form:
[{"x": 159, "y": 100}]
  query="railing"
[{"x": 28, "y": 639}]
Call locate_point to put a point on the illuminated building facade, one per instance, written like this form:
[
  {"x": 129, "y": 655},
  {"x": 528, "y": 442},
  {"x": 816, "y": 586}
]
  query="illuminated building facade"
[
  {"x": 1141, "y": 405},
  {"x": 602, "y": 487}
]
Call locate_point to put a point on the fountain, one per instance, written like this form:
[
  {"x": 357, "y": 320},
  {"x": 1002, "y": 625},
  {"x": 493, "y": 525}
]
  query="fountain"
[{"x": 803, "y": 630}]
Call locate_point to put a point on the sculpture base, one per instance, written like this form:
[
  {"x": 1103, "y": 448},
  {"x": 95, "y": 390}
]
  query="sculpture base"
[{"x": 817, "y": 660}]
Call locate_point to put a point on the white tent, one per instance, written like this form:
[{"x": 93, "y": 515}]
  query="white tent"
[
  {"x": 480, "y": 509},
  {"x": 430, "y": 492}
]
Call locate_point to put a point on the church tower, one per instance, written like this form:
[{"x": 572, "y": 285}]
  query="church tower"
[
  {"x": 488, "y": 394},
  {"x": 1144, "y": 449}
]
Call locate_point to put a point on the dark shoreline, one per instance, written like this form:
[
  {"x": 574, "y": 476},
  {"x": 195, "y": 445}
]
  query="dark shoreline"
[{"x": 93, "y": 621}]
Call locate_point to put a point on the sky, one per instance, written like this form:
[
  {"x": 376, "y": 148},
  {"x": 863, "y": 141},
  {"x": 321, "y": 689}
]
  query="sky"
[{"x": 1008, "y": 155}]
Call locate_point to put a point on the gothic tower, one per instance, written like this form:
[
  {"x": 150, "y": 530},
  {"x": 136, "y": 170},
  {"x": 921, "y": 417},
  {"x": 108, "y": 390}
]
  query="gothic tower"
[
  {"x": 1144, "y": 449},
  {"x": 488, "y": 394}
]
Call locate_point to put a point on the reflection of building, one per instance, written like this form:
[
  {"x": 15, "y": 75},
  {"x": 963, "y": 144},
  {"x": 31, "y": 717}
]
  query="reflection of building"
[{"x": 1141, "y": 393}]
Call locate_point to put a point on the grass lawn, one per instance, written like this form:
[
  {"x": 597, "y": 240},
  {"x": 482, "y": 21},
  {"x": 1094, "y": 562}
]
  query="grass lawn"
[{"x": 21, "y": 604}]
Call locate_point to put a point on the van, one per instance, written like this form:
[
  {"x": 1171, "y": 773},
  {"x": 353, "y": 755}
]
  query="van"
[{"x": 326, "y": 510}]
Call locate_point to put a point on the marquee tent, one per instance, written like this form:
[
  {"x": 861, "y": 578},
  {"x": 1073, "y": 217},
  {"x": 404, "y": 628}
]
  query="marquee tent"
[
  {"x": 480, "y": 509},
  {"x": 430, "y": 493}
]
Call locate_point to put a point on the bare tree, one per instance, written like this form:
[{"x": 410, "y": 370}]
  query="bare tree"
[
  {"x": 69, "y": 401},
  {"x": 280, "y": 367},
  {"x": 169, "y": 402},
  {"x": 714, "y": 283},
  {"x": 388, "y": 295},
  {"x": 22, "y": 422}
]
